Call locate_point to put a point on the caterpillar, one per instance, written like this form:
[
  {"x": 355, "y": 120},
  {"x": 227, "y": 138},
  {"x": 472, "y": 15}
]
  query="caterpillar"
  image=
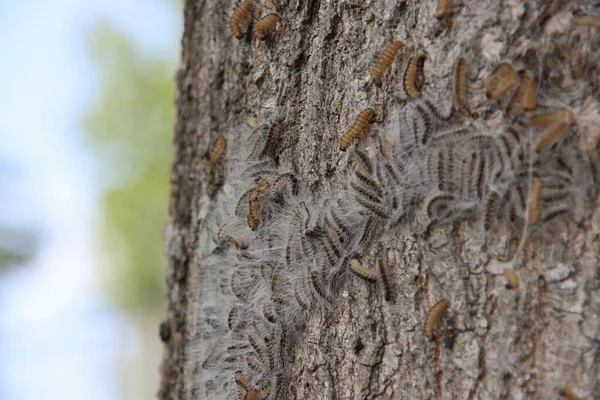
[
  {"x": 526, "y": 96},
  {"x": 512, "y": 279},
  {"x": 444, "y": 7},
  {"x": 434, "y": 315},
  {"x": 586, "y": 20},
  {"x": 362, "y": 160},
  {"x": 490, "y": 208},
  {"x": 500, "y": 81},
  {"x": 384, "y": 60},
  {"x": 359, "y": 270},
  {"x": 264, "y": 24},
  {"x": 254, "y": 213},
  {"x": 381, "y": 265},
  {"x": 239, "y": 14},
  {"x": 459, "y": 84},
  {"x": 360, "y": 126},
  {"x": 214, "y": 157},
  {"x": 533, "y": 205},
  {"x": 247, "y": 389},
  {"x": 551, "y": 135},
  {"x": 413, "y": 76}
]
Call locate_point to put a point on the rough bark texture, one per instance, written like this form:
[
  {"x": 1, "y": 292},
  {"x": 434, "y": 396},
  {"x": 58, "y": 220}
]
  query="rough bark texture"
[{"x": 524, "y": 343}]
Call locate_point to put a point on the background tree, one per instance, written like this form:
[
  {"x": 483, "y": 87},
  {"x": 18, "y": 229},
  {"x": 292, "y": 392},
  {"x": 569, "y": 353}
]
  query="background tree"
[{"x": 532, "y": 342}]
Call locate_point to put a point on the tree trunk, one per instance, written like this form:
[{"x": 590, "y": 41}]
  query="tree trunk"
[{"x": 540, "y": 340}]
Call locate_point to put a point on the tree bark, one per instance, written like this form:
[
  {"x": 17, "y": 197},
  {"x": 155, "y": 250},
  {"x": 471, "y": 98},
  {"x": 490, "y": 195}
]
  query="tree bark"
[{"x": 531, "y": 342}]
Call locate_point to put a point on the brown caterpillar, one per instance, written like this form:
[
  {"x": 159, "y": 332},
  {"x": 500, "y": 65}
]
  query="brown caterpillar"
[
  {"x": 534, "y": 210},
  {"x": 413, "y": 76},
  {"x": 384, "y": 60},
  {"x": 577, "y": 65},
  {"x": 459, "y": 84},
  {"x": 254, "y": 218},
  {"x": 444, "y": 7},
  {"x": 359, "y": 270},
  {"x": 512, "y": 279},
  {"x": 567, "y": 393},
  {"x": 545, "y": 120},
  {"x": 526, "y": 96},
  {"x": 238, "y": 15},
  {"x": 436, "y": 312},
  {"x": 240, "y": 243},
  {"x": 550, "y": 135},
  {"x": 214, "y": 157},
  {"x": 586, "y": 20},
  {"x": 264, "y": 24},
  {"x": 247, "y": 391},
  {"x": 490, "y": 208},
  {"x": 500, "y": 81},
  {"x": 382, "y": 267},
  {"x": 361, "y": 125}
]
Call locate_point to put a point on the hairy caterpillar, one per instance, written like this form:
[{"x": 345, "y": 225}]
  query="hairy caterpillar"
[
  {"x": 381, "y": 265},
  {"x": 512, "y": 279},
  {"x": 459, "y": 84},
  {"x": 384, "y": 60},
  {"x": 364, "y": 273},
  {"x": 567, "y": 393},
  {"x": 247, "y": 389},
  {"x": 500, "y": 81},
  {"x": 551, "y": 135},
  {"x": 533, "y": 206},
  {"x": 413, "y": 76},
  {"x": 214, "y": 157},
  {"x": 444, "y": 7},
  {"x": 239, "y": 14},
  {"x": 264, "y": 24},
  {"x": 360, "y": 126},
  {"x": 586, "y": 20},
  {"x": 434, "y": 315},
  {"x": 526, "y": 96}
]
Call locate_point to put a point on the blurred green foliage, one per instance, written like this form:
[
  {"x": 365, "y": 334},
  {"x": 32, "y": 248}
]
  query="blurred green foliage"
[{"x": 130, "y": 130}]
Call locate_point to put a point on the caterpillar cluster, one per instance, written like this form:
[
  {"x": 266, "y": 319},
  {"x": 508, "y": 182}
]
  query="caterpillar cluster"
[{"x": 282, "y": 251}]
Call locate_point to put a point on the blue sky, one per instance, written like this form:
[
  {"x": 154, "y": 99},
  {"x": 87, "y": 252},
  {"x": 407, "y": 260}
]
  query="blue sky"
[{"x": 58, "y": 336}]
